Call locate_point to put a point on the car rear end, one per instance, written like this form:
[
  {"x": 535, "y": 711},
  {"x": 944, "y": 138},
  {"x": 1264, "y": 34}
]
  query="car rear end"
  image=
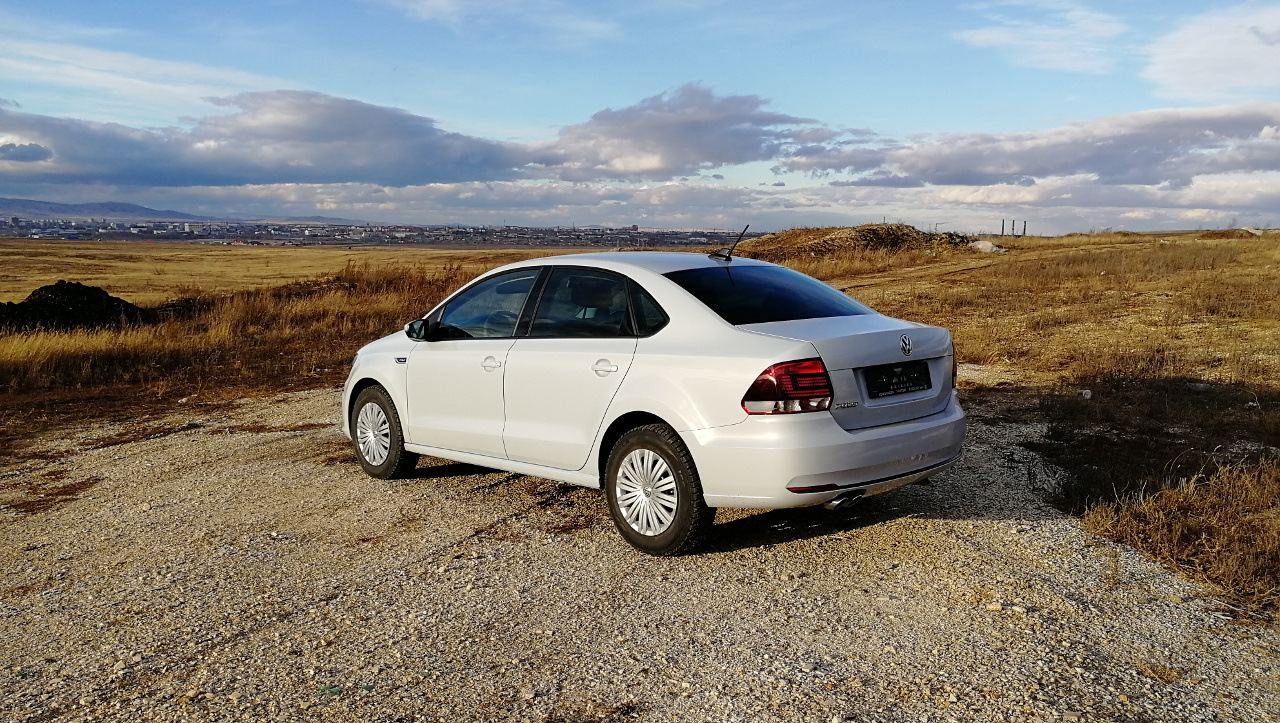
[{"x": 872, "y": 407}]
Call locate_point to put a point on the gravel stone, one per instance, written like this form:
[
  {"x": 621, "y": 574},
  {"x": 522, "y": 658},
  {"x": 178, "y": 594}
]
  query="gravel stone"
[{"x": 270, "y": 579}]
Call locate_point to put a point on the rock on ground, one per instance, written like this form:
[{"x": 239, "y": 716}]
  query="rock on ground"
[{"x": 236, "y": 564}]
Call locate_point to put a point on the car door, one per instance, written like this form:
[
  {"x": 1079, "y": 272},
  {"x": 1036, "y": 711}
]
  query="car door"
[
  {"x": 454, "y": 384},
  {"x": 562, "y": 376}
]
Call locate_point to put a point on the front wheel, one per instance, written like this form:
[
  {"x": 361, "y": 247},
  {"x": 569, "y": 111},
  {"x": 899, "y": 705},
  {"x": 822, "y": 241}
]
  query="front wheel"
[
  {"x": 654, "y": 494},
  {"x": 376, "y": 434}
]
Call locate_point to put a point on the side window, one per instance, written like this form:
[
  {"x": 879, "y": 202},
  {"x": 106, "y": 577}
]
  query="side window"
[
  {"x": 582, "y": 303},
  {"x": 489, "y": 309},
  {"x": 649, "y": 316}
]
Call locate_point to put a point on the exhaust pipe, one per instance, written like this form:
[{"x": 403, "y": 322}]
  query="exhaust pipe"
[{"x": 844, "y": 500}]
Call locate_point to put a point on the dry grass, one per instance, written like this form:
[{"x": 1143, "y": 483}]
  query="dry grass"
[
  {"x": 294, "y": 334},
  {"x": 1223, "y": 529},
  {"x": 1162, "y": 673},
  {"x": 1138, "y": 309},
  {"x": 148, "y": 274},
  {"x": 832, "y": 253},
  {"x": 868, "y": 261}
]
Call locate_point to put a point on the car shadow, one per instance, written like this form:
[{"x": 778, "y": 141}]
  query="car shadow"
[
  {"x": 773, "y": 527},
  {"x": 767, "y": 528},
  {"x": 450, "y": 469}
]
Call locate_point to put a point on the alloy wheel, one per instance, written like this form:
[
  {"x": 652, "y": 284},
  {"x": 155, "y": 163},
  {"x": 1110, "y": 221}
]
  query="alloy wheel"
[
  {"x": 646, "y": 492},
  {"x": 373, "y": 433}
]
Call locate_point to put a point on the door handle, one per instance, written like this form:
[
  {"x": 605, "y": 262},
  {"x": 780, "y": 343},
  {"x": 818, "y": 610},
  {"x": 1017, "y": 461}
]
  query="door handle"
[
  {"x": 603, "y": 367},
  {"x": 490, "y": 363}
]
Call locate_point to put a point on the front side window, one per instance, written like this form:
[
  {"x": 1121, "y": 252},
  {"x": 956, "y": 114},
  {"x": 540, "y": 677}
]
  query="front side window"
[
  {"x": 489, "y": 309},
  {"x": 582, "y": 303},
  {"x": 760, "y": 294}
]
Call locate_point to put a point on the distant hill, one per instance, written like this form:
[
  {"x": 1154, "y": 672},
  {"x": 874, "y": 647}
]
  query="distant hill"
[{"x": 27, "y": 208}]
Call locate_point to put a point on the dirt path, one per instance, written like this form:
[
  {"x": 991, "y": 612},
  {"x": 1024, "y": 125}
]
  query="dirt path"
[{"x": 242, "y": 567}]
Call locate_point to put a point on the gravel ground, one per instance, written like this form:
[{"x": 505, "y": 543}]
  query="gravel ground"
[{"x": 240, "y": 566}]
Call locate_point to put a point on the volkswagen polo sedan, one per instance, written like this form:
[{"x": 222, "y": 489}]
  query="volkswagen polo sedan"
[{"x": 678, "y": 382}]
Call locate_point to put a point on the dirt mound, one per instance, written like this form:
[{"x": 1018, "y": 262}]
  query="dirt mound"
[
  {"x": 69, "y": 305},
  {"x": 825, "y": 241},
  {"x": 1228, "y": 233}
]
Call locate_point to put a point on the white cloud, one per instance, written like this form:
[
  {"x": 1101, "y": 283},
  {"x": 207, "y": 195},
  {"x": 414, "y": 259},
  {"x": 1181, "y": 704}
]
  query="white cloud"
[
  {"x": 1221, "y": 55},
  {"x": 272, "y": 137},
  {"x": 304, "y": 153},
  {"x": 1169, "y": 146},
  {"x": 306, "y": 137},
  {"x": 1052, "y": 35},
  {"x": 680, "y": 133}
]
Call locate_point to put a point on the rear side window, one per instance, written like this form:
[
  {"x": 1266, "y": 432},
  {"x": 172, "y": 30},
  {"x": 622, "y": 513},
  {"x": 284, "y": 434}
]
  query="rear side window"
[
  {"x": 582, "y": 303},
  {"x": 760, "y": 294},
  {"x": 649, "y": 316}
]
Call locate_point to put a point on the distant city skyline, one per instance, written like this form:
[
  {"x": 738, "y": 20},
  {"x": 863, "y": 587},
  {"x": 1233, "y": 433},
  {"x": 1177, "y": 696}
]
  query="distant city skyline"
[{"x": 696, "y": 114}]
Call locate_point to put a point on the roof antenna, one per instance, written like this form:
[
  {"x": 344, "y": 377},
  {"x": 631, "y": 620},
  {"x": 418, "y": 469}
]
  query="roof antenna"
[{"x": 726, "y": 254}]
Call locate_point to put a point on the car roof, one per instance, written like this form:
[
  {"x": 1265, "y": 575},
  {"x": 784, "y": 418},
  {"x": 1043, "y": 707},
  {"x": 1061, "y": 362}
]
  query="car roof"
[{"x": 658, "y": 262}]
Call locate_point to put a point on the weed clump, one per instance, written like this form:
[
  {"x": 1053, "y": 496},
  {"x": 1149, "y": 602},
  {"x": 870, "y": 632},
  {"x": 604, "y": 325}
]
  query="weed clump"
[{"x": 1222, "y": 529}]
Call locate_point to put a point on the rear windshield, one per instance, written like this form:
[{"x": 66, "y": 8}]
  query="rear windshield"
[{"x": 760, "y": 294}]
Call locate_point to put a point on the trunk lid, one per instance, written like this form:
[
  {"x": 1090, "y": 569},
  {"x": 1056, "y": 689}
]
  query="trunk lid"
[{"x": 876, "y": 377}]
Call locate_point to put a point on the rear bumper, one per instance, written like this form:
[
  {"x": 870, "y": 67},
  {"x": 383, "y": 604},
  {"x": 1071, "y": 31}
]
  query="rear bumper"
[{"x": 808, "y": 459}]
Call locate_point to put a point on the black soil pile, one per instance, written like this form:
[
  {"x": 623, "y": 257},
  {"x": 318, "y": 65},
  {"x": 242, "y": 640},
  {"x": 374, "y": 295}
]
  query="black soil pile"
[
  {"x": 784, "y": 245},
  {"x": 69, "y": 305}
]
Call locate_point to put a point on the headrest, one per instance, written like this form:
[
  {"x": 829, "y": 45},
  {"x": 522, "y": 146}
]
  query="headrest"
[{"x": 591, "y": 293}]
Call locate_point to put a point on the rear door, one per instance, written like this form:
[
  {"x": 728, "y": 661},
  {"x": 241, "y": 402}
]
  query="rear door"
[
  {"x": 561, "y": 378},
  {"x": 455, "y": 383}
]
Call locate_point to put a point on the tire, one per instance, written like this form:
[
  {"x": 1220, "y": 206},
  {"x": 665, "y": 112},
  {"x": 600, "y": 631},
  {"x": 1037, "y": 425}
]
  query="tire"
[
  {"x": 654, "y": 494},
  {"x": 377, "y": 438}
]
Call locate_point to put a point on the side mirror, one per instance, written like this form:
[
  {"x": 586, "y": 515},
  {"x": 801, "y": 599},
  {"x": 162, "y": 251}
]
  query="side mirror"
[{"x": 418, "y": 329}]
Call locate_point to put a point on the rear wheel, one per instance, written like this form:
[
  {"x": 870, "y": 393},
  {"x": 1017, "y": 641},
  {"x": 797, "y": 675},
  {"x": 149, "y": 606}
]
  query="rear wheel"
[
  {"x": 376, "y": 434},
  {"x": 654, "y": 494}
]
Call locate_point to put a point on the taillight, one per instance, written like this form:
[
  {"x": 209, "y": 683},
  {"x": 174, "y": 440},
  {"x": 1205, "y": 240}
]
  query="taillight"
[{"x": 798, "y": 386}]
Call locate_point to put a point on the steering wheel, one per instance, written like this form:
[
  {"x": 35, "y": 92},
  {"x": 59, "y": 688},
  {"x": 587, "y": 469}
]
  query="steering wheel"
[{"x": 499, "y": 323}]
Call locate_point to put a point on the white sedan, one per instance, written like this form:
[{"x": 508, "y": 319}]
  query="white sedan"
[{"x": 679, "y": 382}]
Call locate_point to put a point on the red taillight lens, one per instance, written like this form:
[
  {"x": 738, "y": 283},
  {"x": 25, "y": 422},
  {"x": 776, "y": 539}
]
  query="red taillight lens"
[{"x": 798, "y": 386}]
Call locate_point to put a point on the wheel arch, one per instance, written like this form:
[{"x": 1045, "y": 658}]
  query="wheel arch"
[
  {"x": 358, "y": 387},
  {"x": 616, "y": 429}
]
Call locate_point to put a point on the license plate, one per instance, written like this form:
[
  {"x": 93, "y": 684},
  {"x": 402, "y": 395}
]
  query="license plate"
[{"x": 887, "y": 380}]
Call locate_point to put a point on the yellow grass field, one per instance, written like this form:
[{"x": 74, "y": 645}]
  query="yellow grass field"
[{"x": 151, "y": 273}]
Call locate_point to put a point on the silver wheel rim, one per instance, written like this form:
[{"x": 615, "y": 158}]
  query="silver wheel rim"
[
  {"x": 646, "y": 492},
  {"x": 373, "y": 434}
]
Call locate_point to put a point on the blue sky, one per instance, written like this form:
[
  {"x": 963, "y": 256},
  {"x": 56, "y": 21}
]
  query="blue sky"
[{"x": 697, "y": 113}]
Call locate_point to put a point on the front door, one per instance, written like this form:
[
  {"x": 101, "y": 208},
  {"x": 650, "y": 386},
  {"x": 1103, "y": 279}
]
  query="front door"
[
  {"x": 561, "y": 378},
  {"x": 455, "y": 382}
]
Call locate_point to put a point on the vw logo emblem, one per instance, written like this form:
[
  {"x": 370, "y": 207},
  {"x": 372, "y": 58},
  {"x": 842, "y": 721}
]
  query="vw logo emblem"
[{"x": 905, "y": 345}]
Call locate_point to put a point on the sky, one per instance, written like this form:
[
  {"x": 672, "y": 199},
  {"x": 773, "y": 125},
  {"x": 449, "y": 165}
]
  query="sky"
[{"x": 1068, "y": 115}]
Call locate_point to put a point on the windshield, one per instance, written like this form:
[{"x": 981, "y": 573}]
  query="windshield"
[{"x": 760, "y": 294}]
